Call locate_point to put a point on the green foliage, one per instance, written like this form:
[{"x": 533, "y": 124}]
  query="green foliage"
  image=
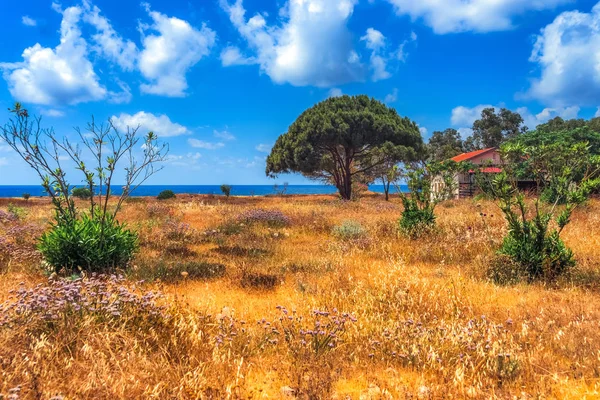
[
  {"x": 494, "y": 128},
  {"x": 226, "y": 190},
  {"x": 349, "y": 230},
  {"x": 166, "y": 195},
  {"x": 82, "y": 193},
  {"x": 88, "y": 244},
  {"x": 418, "y": 215},
  {"x": 26, "y": 196},
  {"x": 342, "y": 139},
  {"x": 533, "y": 240},
  {"x": 444, "y": 145},
  {"x": 93, "y": 241}
]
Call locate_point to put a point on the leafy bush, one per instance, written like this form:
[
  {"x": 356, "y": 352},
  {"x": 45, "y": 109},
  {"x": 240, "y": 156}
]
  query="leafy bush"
[
  {"x": 88, "y": 244},
  {"x": 226, "y": 190},
  {"x": 166, "y": 195},
  {"x": 533, "y": 239},
  {"x": 416, "y": 221},
  {"x": 82, "y": 193},
  {"x": 418, "y": 215},
  {"x": 349, "y": 230},
  {"x": 272, "y": 218},
  {"x": 26, "y": 196}
]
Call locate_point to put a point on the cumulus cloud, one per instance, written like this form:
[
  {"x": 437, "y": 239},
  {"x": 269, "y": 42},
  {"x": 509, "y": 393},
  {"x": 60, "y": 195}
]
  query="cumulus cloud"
[
  {"x": 464, "y": 117},
  {"x": 449, "y": 16},
  {"x": 232, "y": 55},
  {"x": 161, "y": 125},
  {"x": 311, "y": 45},
  {"x": 376, "y": 42},
  {"x": 170, "y": 52},
  {"x": 200, "y": 144},
  {"x": 62, "y": 75},
  {"x": 566, "y": 52},
  {"x": 108, "y": 42},
  {"x": 28, "y": 21}
]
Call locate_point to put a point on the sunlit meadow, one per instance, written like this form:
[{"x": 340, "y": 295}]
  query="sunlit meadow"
[{"x": 297, "y": 297}]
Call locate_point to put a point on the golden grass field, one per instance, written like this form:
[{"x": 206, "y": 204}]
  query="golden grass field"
[{"x": 413, "y": 319}]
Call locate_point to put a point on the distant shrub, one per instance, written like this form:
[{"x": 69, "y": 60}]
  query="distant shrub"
[
  {"x": 26, "y": 196},
  {"x": 88, "y": 244},
  {"x": 82, "y": 193},
  {"x": 349, "y": 230},
  {"x": 166, "y": 195},
  {"x": 272, "y": 218},
  {"x": 177, "y": 271},
  {"x": 226, "y": 190}
]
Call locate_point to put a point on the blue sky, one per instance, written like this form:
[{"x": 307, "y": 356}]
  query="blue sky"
[{"x": 219, "y": 80}]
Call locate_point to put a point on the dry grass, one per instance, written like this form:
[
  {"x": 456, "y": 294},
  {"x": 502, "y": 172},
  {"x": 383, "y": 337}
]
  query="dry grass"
[{"x": 397, "y": 318}]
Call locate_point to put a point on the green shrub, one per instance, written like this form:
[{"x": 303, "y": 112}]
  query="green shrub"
[
  {"x": 82, "y": 193},
  {"x": 416, "y": 221},
  {"x": 26, "y": 196},
  {"x": 349, "y": 230},
  {"x": 88, "y": 244},
  {"x": 166, "y": 195},
  {"x": 226, "y": 190}
]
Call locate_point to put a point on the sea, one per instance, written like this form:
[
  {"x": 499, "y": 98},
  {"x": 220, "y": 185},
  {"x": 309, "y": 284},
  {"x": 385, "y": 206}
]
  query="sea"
[{"x": 236, "y": 190}]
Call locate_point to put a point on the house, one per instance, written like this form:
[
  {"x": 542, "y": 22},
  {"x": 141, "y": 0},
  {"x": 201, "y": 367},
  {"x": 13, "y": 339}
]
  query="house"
[{"x": 490, "y": 161}]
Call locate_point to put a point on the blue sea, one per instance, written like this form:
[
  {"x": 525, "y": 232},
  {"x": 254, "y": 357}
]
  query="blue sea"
[{"x": 237, "y": 190}]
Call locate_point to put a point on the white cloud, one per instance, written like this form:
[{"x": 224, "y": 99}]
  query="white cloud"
[
  {"x": 264, "y": 148},
  {"x": 423, "y": 130},
  {"x": 465, "y": 116},
  {"x": 108, "y": 42},
  {"x": 567, "y": 53},
  {"x": 376, "y": 42},
  {"x": 392, "y": 97},
  {"x": 447, "y": 16},
  {"x": 311, "y": 45},
  {"x": 225, "y": 135},
  {"x": 51, "y": 112},
  {"x": 232, "y": 55},
  {"x": 200, "y": 144},
  {"x": 335, "y": 92},
  {"x": 28, "y": 21},
  {"x": 171, "y": 52},
  {"x": 62, "y": 75},
  {"x": 161, "y": 125}
]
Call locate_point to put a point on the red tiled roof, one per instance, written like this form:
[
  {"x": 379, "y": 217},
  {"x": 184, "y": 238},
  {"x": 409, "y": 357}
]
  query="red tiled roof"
[{"x": 473, "y": 154}]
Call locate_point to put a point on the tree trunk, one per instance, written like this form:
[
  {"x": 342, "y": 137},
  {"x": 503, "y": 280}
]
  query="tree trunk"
[{"x": 386, "y": 189}]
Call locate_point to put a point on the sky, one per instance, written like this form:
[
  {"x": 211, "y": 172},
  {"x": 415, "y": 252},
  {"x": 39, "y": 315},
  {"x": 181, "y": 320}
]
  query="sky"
[{"x": 220, "y": 80}]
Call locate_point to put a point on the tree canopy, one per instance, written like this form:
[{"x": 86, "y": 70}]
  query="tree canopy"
[
  {"x": 445, "y": 145},
  {"x": 341, "y": 139},
  {"x": 494, "y": 128}
]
